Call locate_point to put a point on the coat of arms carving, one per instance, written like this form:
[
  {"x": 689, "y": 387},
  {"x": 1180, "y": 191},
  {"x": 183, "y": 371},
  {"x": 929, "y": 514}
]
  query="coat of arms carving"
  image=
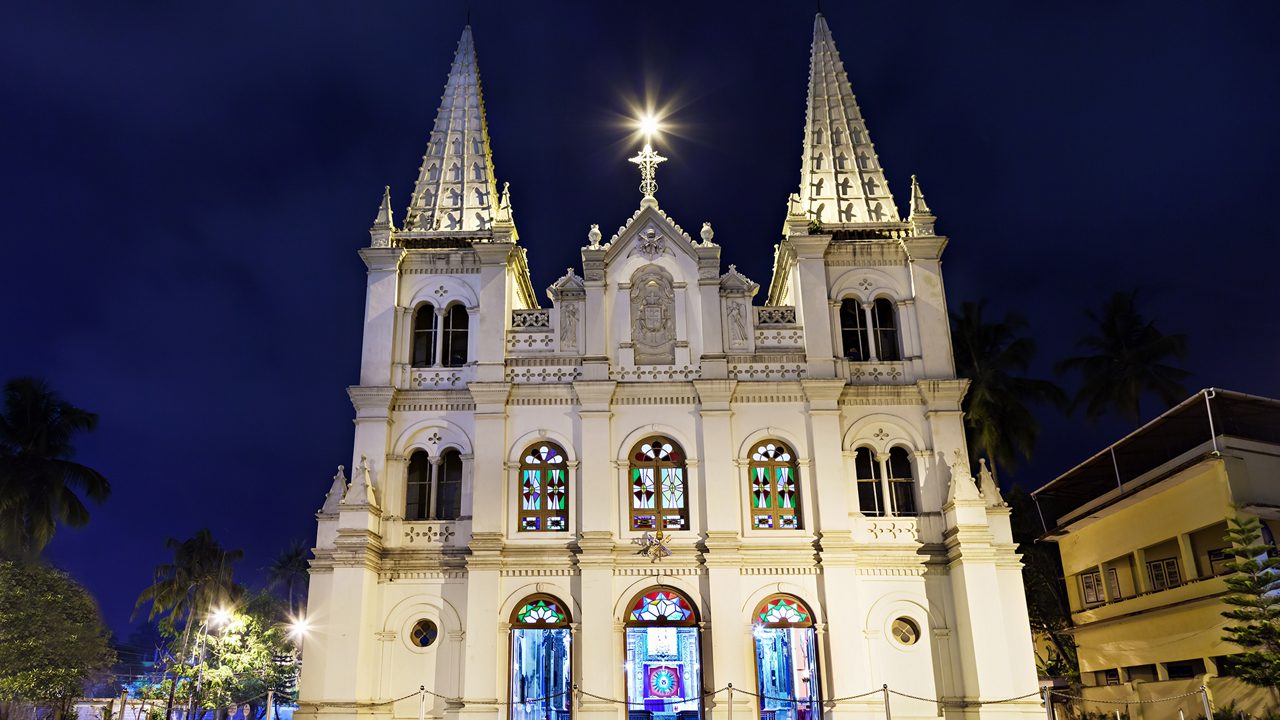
[{"x": 653, "y": 329}]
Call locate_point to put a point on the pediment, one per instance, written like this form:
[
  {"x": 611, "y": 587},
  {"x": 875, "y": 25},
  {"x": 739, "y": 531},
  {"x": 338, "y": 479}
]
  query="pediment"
[{"x": 650, "y": 233}]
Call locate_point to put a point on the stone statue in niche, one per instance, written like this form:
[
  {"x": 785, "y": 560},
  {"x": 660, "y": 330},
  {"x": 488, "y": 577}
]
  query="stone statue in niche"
[
  {"x": 569, "y": 327},
  {"x": 737, "y": 326},
  {"x": 653, "y": 327}
]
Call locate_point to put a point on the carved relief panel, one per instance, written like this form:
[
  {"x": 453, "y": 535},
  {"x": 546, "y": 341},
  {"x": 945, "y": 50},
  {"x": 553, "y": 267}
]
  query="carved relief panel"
[{"x": 653, "y": 324}]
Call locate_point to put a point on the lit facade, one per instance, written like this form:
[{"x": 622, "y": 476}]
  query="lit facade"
[
  {"x": 803, "y": 459},
  {"x": 1141, "y": 527}
]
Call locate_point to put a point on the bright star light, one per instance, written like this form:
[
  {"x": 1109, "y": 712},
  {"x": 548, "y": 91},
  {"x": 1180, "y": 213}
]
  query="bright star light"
[{"x": 648, "y": 126}]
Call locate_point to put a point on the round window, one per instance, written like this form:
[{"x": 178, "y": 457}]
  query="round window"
[
  {"x": 424, "y": 633},
  {"x": 905, "y": 631}
]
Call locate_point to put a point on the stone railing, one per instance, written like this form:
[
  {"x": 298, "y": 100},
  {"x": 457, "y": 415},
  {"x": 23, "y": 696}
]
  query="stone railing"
[
  {"x": 775, "y": 315},
  {"x": 877, "y": 372},
  {"x": 530, "y": 320},
  {"x": 897, "y": 529}
]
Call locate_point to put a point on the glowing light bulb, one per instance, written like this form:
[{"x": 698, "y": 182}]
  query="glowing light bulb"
[
  {"x": 299, "y": 627},
  {"x": 220, "y": 617}
]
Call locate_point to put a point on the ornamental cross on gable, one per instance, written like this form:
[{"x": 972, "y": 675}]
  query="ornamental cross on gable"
[{"x": 648, "y": 161}]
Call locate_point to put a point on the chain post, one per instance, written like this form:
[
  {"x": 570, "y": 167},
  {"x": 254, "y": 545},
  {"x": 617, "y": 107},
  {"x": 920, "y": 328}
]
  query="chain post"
[
  {"x": 730, "y": 701},
  {"x": 422, "y": 704},
  {"x": 271, "y": 696},
  {"x": 885, "y": 689},
  {"x": 1048, "y": 703},
  {"x": 1204, "y": 698}
]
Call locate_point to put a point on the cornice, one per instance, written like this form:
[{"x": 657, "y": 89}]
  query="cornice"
[{"x": 371, "y": 400}]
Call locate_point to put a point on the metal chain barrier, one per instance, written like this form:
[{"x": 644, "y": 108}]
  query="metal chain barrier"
[{"x": 664, "y": 703}]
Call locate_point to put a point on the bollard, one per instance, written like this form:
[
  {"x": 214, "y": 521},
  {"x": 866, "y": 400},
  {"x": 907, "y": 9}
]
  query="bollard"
[
  {"x": 1204, "y": 698},
  {"x": 124, "y": 702},
  {"x": 1048, "y": 703},
  {"x": 887, "y": 714},
  {"x": 1181, "y": 716},
  {"x": 422, "y": 706},
  {"x": 730, "y": 701},
  {"x": 271, "y": 696}
]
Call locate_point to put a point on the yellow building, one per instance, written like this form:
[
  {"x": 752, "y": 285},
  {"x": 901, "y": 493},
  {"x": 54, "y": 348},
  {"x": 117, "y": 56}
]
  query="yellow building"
[{"x": 1141, "y": 528}]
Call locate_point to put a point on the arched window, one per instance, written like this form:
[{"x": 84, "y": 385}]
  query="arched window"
[
  {"x": 786, "y": 659},
  {"x": 424, "y": 336},
  {"x": 775, "y": 489},
  {"x": 870, "y": 489},
  {"x": 454, "y": 336},
  {"x": 449, "y": 492},
  {"x": 658, "y": 485},
  {"x": 885, "y": 316},
  {"x": 541, "y": 676},
  {"x": 853, "y": 330},
  {"x": 663, "y": 657},
  {"x": 901, "y": 483},
  {"x": 544, "y": 485},
  {"x": 417, "y": 504}
]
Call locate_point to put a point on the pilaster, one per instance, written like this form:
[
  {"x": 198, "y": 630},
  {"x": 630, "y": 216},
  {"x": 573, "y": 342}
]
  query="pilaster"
[
  {"x": 811, "y": 294},
  {"x": 377, "y": 350}
]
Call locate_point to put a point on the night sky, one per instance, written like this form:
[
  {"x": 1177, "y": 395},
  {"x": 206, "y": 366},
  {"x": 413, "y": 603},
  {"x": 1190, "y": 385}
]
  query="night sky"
[{"x": 186, "y": 186}]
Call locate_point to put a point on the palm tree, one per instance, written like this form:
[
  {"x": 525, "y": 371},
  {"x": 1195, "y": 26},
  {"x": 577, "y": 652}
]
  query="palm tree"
[
  {"x": 40, "y": 485},
  {"x": 289, "y": 570},
  {"x": 1127, "y": 360},
  {"x": 197, "y": 581},
  {"x": 994, "y": 356}
]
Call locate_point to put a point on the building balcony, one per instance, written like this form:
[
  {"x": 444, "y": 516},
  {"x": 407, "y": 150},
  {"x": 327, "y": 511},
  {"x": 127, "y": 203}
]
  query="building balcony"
[{"x": 1187, "y": 592}]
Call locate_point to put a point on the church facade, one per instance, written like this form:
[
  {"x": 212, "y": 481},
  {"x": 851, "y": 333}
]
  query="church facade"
[{"x": 661, "y": 484}]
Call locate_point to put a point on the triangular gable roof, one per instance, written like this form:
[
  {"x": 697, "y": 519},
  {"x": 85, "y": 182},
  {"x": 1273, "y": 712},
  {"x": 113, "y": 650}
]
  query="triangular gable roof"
[{"x": 651, "y": 232}]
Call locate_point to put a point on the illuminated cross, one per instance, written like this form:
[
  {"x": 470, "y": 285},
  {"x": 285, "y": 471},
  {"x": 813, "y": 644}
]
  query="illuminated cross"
[{"x": 648, "y": 161}]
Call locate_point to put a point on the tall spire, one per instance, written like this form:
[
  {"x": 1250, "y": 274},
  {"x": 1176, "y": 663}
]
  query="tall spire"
[
  {"x": 456, "y": 190},
  {"x": 841, "y": 182}
]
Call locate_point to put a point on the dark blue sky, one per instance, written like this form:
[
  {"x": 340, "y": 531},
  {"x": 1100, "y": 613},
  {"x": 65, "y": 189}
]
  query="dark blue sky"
[{"x": 186, "y": 186}]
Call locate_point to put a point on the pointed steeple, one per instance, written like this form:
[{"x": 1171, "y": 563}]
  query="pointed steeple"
[
  {"x": 841, "y": 182},
  {"x": 922, "y": 218},
  {"x": 456, "y": 190},
  {"x": 384, "y": 226}
]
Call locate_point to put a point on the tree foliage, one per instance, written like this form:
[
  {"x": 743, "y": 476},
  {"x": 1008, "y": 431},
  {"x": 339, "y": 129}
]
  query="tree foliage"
[
  {"x": 1255, "y": 601},
  {"x": 51, "y": 635},
  {"x": 1047, "y": 606},
  {"x": 995, "y": 357},
  {"x": 288, "y": 572},
  {"x": 1126, "y": 358},
  {"x": 197, "y": 581},
  {"x": 250, "y": 655},
  {"x": 40, "y": 485}
]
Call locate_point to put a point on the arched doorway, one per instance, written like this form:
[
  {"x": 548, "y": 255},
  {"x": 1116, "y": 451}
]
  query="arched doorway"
[
  {"x": 664, "y": 660},
  {"x": 786, "y": 660},
  {"x": 541, "y": 677}
]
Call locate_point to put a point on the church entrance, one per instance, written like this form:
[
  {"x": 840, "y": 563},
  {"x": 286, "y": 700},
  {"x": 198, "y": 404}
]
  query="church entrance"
[
  {"x": 541, "y": 681},
  {"x": 664, "y": 661},
  {"x": 786, "y": 660}
]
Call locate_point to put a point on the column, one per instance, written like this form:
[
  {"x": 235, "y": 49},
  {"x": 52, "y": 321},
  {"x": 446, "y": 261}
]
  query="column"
[
  {"x": 1141, "y": 582},
  {"x": 1107, "y": 594},
  {"x": 433, "y": 485},
  {"x": 869, "y": 319},
  {"x": 437, "y": 360},
  {"x": 885, "y": 486},
  {"x": 1188, "y": 556}
]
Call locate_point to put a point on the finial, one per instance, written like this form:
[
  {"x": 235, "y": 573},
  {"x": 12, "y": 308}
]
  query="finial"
[
  {"x": 648, "y": 161},
  {"x": 922, "y": 218},
  {"x": 593, "y": 236},
  {"x": 333, "y": 499},
  {"x": 707, "y": 233},
  {"x": 383, "y": 224}
]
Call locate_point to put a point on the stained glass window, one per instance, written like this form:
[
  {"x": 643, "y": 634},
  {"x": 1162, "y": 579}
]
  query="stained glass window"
[
  {"x": 658, "y": 486},
  {"x": 662, "y": 606},
  {"x": 775, "y": 491},
  {"x": 544, "y": 486},
  {"x": 786, "y": 660},
  {"x": 541, "y": 677}
]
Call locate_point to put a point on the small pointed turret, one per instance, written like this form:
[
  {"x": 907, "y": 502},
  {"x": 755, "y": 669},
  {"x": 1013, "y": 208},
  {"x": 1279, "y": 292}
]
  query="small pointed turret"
[
  {"x": 384, "y": 224},
  {"x": 841, "y": 182},
  {"x": 922, "y": 218},
  {"x": 456, "y": 189}
]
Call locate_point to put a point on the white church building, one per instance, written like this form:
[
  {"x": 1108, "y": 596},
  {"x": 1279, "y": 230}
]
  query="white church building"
[{"x": 614, "y": 506}]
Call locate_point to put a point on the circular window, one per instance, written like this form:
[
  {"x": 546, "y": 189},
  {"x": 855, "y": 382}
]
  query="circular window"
[
  {"x": 905, "y": 631},
  {"x": 424, "y": 633}
]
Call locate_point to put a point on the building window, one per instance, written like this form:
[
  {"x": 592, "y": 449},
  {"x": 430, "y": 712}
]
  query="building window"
[
  {"x": 663, "y": 658},
  {"x": 786, "y": 659},
  {"x": 658, "y": 486},
  {"x": 870, "y": 488},
  {"x": 902, "y": 486},
  {"x": 1091, "y": 583},
  {"x": 454, "y": 336},
  {"x": 885, "y": 316},
  {"x": 433, "y": 490},
  {"x": 1108, "y": 677},
  {"x": 775, "y": 492},
  {"x": 853, "y": 330},
  {"x": 417, "y": 505},
  {"x": 544, "y": 485},
  {"x": 541, "y": 653},
  {"x": 1164, "y": 574},
  {"x": 424, "y": 633},
  {"x": 424, "y": 336}
]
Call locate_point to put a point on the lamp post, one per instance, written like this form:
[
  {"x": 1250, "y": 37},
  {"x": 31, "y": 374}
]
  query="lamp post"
[{"x": 217, "y": 618}]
